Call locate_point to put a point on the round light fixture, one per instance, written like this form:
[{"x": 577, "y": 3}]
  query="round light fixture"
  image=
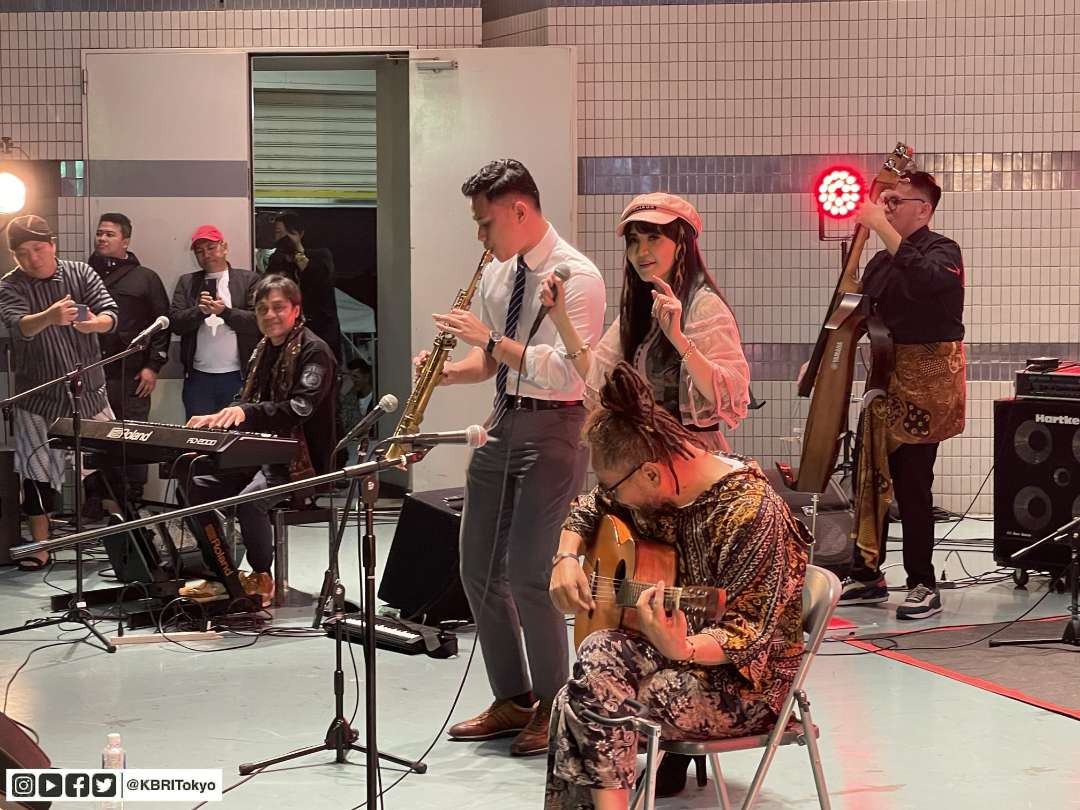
[{"x": 838, "y": 192}]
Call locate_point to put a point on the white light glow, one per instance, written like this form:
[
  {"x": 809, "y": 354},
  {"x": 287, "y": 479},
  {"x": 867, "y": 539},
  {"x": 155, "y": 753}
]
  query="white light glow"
[{"x": 12, "y": 193}]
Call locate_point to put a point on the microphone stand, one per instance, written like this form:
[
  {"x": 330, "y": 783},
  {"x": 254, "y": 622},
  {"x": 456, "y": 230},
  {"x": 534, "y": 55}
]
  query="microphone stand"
[
  {"x": 331, "y": 575},
  {"x": 76, "y": 611},
  {"x": 339, "y": 737}
]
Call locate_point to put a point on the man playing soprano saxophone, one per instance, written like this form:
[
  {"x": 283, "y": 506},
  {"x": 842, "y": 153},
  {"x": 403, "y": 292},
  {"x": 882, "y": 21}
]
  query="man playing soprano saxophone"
[{"x": 506, "y": 553}]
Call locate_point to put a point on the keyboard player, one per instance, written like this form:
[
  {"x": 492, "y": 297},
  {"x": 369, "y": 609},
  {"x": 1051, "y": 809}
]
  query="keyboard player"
[{"x": 288, "y": 391}]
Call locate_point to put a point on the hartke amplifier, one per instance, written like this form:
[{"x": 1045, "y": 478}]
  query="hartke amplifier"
[
  {"x": 1036, "y": 477},
  {"x": 421, "y": 577}
]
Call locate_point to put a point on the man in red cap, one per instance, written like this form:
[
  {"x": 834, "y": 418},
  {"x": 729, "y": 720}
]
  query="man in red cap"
[{"x": 212, "y": 311}]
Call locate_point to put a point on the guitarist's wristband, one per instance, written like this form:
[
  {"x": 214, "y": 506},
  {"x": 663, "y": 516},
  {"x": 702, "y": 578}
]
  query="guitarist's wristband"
[
  {"x": 563, "y": 555},
  {"x": 693, "y": 650}
]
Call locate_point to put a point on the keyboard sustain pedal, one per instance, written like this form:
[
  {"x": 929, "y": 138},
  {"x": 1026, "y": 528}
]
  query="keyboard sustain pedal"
[{"x": 398, "y": 635}]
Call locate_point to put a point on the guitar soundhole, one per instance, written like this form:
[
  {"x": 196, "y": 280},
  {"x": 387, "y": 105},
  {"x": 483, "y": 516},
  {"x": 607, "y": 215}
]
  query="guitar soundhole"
[{"x": 617, "y": 581}]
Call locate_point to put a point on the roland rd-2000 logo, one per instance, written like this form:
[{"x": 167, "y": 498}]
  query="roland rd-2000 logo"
[
  {"x": 1062, "y": 419},
  {"x": 203, "y": 442},
  {"x": 129, "y": 435}
]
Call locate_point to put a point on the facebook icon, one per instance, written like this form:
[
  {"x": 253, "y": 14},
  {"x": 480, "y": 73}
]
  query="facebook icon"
[{"x": 76, "y": 785}]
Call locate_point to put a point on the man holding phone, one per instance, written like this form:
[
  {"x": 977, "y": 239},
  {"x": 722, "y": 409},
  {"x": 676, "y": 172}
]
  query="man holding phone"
[
  {"x": 55, "y": 310},
  {"x": 212, "y": 311}
]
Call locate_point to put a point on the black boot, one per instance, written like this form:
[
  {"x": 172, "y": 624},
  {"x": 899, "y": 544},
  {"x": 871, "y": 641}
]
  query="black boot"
[{"x": 671, "y": 775}]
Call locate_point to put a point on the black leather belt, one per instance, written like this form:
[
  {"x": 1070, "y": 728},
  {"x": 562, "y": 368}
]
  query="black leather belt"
[{"x": 530, "y": 404}]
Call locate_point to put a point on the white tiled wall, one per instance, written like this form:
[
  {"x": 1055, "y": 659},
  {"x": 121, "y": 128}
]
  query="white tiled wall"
[
  {"x": 41, "y": 79},
  {"x": 956, "y": 76},
  {"x": 947, "y": 76}
]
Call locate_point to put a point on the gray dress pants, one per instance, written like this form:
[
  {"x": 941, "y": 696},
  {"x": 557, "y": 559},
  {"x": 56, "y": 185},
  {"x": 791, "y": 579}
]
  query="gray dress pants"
[{"x": 506, "y": 556}]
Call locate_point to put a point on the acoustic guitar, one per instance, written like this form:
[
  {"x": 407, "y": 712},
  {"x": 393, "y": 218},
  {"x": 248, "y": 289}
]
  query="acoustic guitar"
[{"x": 620, "y": 567}]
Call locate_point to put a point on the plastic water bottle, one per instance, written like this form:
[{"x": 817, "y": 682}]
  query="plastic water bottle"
[{"x": 113, "y": 756}]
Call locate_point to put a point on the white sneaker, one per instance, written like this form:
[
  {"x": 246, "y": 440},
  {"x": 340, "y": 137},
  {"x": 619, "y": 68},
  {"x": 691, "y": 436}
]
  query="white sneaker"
[{"x": 920, "y": 603}]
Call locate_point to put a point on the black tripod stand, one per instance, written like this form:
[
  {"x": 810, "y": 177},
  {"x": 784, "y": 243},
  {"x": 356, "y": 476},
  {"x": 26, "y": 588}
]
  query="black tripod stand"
[
  {"x": 1068, "y": 535},
  {"x": 340, "y": 737},
  {"x": 76, "y": 611}
]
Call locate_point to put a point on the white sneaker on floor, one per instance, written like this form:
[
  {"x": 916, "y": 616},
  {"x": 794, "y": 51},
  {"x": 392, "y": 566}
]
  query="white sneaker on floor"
[{"x": 920, "y": 603}]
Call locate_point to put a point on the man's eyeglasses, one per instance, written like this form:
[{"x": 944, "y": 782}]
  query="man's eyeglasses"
[
  {"x": 609, "y": 491},
  {"x": 892, "y": 203}
]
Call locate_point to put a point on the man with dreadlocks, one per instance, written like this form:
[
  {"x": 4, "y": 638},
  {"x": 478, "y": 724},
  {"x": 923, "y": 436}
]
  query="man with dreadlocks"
[
  {"x": 286, "y": 391},
  {"x": 731, "y": 531}
]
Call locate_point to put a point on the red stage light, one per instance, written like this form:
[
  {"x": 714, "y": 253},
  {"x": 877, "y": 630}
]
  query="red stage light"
[{"x": 839, "y": 191}]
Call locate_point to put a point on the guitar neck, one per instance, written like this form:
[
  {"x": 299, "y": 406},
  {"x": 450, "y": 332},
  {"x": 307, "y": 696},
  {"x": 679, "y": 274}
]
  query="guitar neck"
[{"x": 630, "y": 591}]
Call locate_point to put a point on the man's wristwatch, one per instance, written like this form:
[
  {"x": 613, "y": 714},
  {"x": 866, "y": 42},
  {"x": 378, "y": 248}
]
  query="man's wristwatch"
[{"x": 493, "y": 340}]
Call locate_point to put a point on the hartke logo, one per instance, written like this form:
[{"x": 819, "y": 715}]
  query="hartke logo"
[
  {"x": 1046, "y": 419},
  {"x": 129, "y": 435}
]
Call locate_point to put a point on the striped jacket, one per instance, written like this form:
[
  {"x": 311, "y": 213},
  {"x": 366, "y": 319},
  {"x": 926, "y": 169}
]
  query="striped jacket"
[{"x": 57, "y": 349}]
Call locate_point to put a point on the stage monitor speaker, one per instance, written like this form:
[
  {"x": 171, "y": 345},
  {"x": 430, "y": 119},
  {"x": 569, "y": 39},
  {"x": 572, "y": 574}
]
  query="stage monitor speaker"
[
  {"x": 9, "y": 504},
  {"x": 833, "y": 543},
  {"x": 421, "y": 576},
  {"x": 1036, "y": 477},
  {"x": 18, "y": 751}
]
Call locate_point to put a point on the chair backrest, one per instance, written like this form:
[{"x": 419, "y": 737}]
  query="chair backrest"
[{"x": 821, "y": 592}]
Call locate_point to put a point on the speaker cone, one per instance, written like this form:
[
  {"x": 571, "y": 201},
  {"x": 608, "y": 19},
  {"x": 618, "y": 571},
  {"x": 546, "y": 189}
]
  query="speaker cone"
[
  {"x": 1032, "y": 508},
  {"x": 1032, "y": 442}
]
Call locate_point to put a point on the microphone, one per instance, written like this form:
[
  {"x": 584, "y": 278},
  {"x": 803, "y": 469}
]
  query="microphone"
[
  {"x": 388, "y": 404},
  {"x": 473, "y": 436},
  {"x": 563, "y": 273},
  {"x": 160, "y": 323}
]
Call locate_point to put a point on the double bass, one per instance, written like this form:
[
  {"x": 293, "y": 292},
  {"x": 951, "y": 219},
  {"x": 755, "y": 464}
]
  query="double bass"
[{"x": 831, "y": 370}]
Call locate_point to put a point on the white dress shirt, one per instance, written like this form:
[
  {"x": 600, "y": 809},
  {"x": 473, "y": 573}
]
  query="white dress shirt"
[{"x": 548, "y": 374}]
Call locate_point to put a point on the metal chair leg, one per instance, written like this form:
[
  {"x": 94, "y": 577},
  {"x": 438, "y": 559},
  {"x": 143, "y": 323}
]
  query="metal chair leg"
[
  {"x": 770, "y": 751},
  {"x": 812, "y": 750},
  {"x": 719, "y": 785}
]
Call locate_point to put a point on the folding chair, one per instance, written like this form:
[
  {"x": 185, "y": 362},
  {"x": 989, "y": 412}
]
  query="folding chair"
[{"x": 821, "y": 592}]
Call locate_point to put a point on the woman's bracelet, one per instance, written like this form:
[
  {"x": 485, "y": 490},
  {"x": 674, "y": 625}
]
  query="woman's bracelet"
[
  {"x": 575, "y": 354},
  {"x": 689, "y": 348}
]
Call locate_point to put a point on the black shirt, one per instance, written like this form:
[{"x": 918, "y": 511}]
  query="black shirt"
[
  {"x": 311, "y": 401},
  {"x": 140, "y": 295},
  {"x": 919, "y": 292}
]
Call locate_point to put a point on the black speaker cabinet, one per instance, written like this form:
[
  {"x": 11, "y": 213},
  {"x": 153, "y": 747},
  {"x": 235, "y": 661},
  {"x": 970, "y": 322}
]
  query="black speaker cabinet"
[
  {"x": 1036, "y": 477},
  {"x": 421, "y": 576},
  {"x": 9, "y": 504}
]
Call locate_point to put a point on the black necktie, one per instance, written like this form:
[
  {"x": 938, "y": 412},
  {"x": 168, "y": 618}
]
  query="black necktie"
[{"x": 513, "y": 311}]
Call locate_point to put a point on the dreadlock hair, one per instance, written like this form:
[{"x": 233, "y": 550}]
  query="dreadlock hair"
[
  {"x": 688, "y": 273},
  {"x": 629, "y": 425}
]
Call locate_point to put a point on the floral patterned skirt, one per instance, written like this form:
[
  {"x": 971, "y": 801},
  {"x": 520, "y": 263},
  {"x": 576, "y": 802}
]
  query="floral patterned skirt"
[{"x": 691, "y": 703}]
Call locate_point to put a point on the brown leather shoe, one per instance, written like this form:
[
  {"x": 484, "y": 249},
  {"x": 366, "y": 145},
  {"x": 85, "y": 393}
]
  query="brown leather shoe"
[
  {"x": 501, "y": 719},
  {"x": 533, "y": 739}
]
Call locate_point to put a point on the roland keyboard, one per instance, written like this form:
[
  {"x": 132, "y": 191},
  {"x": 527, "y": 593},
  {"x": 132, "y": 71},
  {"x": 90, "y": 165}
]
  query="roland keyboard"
[
  {"x": 149, "y": 443},
  {"x": 398, "y": 635}
]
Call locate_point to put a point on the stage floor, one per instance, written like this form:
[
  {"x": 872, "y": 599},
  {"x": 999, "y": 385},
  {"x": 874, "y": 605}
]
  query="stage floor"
[{"x": 893, "y": 735}]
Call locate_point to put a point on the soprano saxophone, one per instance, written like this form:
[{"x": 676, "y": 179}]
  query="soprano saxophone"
[{"x": 432, "y": 371}]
